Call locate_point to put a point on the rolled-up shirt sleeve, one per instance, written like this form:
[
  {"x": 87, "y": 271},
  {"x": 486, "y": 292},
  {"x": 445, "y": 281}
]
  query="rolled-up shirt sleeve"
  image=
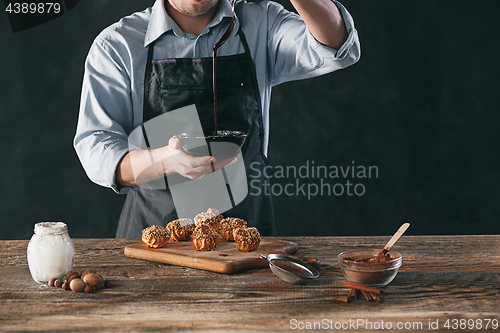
[
  {"x": 298, "y": 55},
  {"x": 101, "y": 140}
]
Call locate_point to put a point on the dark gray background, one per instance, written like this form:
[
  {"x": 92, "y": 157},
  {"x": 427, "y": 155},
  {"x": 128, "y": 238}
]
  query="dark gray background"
[{"x": 421, "y": 105}]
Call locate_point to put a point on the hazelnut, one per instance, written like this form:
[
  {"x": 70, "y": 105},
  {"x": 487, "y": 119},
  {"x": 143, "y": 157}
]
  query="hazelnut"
[
  {"x": 73, "y": 275},
  {"x": 68, "y": 273},
  {"x": 52, "y": 281},
  {"x": 89, "y": 288},
  {"x": 58, "y": 283},
  {"x": 93, "y": 279},
  {"x": 77, "y": 285},
  {"x": 88, "y": 271},
  {"x": 65, "y": 286},
  {"x": 108, "y": 284}
]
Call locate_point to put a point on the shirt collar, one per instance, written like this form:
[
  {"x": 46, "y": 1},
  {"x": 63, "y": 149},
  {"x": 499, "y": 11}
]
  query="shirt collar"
[{"x": 160, "y": 22}]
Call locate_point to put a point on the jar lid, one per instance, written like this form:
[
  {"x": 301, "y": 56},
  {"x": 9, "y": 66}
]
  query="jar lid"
[{"x": 50, "y": 228}]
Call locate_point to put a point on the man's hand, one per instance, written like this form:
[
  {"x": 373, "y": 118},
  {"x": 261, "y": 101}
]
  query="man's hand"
[
  {"x": 142, "y": 166},
  {"x": 323, "y": 20},
  {"x": 189, "y": 166}
]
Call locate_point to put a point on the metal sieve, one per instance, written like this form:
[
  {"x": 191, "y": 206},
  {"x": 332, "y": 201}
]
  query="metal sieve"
[{"x": 290, "y": 269}]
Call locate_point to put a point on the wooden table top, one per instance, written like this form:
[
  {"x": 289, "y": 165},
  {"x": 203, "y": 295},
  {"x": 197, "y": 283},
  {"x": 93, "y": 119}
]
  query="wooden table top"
[{"x": 448, "y": 281}]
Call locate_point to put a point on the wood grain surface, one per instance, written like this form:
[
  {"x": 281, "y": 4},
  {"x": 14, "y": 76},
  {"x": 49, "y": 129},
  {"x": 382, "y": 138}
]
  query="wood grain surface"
[
  {"x": 226, "y": 258},
  {"x": 443, "y": 278}
]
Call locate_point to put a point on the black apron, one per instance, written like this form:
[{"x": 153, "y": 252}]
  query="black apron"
[{"x": 171, "y": 84}]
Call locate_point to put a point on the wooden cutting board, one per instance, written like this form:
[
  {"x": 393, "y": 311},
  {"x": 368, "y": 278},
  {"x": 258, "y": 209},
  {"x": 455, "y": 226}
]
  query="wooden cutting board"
[{"x": 226, "y": 258}]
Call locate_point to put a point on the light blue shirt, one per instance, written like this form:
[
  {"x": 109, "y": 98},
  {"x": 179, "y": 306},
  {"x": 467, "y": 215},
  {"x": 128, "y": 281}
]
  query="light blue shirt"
[{"x": 113, "y": 85}]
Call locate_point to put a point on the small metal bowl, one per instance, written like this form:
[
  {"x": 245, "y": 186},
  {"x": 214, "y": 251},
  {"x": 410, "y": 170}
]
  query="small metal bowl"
[
  {"x": 290, "y": 269},
  {"x": 224, "y": 145}
]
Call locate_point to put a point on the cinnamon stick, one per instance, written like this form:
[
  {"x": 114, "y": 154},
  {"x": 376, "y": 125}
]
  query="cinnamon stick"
[
  {"x": 367, "y": 295},
  {"x": 361, "y": 287},
  {"x": 353, "y": 294},
  {"x": 340, "y": 299},
  {"x": 375, "y": 298}
]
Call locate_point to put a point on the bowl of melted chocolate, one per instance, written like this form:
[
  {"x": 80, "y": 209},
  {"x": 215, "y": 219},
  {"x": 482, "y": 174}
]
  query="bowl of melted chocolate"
[
  {"x": 223, "y": 145},
  {"x": 369, "y": 266}
]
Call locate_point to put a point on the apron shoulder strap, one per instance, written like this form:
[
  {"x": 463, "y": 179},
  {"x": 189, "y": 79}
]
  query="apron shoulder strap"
[
  {"x": 145, "y": 95},
  {"x": 147, "y": 75}
]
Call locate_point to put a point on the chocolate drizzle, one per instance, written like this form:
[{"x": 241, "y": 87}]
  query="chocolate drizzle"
[{"x": 217, "y": 45}]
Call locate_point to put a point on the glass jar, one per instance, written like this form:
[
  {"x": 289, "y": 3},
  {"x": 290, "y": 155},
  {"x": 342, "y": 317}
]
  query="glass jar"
[{"x": 50, "y": 252}]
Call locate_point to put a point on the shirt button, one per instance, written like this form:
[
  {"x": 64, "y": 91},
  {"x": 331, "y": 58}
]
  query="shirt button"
[{"x": 199, "y": 40}]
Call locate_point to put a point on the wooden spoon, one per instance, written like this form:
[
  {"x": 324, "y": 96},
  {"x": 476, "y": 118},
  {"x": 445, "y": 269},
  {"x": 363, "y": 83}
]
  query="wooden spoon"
[{"x": 394, "y": 239}]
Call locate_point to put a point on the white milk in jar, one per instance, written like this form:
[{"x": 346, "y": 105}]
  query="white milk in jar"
[{"x": 50, "y": 251}]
